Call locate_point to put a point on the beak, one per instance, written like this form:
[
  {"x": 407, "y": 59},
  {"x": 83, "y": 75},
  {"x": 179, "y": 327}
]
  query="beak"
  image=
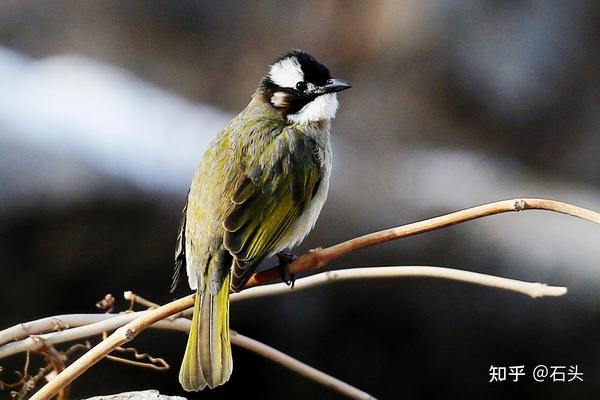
[{"x": 335, "y": 85}]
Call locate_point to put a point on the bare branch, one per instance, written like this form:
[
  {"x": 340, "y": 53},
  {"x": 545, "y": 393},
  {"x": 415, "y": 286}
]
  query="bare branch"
[
  {"x": 155, "y": 363},
  {"x": 183, "y": 325},
  {"x": 103, "y": 323},
  {"x": 98, "y": 323},
  {"x": 314, "y": 259},
  {"x": 57, "y": 322},
  {"x": 134, "y": 298},
  {"x": 121, "y": 336},
  {"x": 299, "y": 367},
  {"x": 319, "y": 258},
  {"x": 531, "y": 289},
  {"x": 57, "y": 361},
  {"x": 95, "y": 326}
]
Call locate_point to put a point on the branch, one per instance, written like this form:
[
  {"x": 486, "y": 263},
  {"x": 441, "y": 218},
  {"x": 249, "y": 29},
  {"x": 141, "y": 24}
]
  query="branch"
[
  {"x": 531, "y": 289},
  {"x": 319, "y": 258},
  {"x": 95, "y": 324},
  {"x": 314, "y": 259},
  {"x": 299, "y": 367},
  {"x": 121, "y": 336},
  {"x": 57, "y": 322},
  {"x": 91, "y": 325},
  {"x": 136, "y": 322},
  {"x": 183, "y": 325}
]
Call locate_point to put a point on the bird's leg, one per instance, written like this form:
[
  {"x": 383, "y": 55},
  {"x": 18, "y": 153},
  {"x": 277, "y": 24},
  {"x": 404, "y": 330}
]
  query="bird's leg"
[{"x": 285, "y": 259}]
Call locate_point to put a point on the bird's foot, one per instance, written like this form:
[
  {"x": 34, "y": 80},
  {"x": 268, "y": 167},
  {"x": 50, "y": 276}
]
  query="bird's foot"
[{"x": 285, "y": 259}]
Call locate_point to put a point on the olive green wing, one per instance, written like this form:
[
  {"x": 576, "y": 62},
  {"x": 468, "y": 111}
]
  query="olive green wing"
[{"x": 267, "y": 204}]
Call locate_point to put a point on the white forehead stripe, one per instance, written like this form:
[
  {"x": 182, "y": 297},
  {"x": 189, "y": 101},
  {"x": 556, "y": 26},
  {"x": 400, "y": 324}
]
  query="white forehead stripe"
[
  {"x": 286, "y": 73},
  {"x": 322, "y": 108}
]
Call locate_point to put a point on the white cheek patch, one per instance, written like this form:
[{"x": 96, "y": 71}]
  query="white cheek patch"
[
  {"x": 279, "y": 99},
  {"x": 322, "y": 108},
  {"x": 286, "y": 73}
]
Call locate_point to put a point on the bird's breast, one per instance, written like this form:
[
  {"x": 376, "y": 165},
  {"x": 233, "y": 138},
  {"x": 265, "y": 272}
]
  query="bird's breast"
[{"x": 309, "y": 216}]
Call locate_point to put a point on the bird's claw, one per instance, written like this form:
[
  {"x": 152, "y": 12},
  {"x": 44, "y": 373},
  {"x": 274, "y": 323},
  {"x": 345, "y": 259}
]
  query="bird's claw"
[{"x": 285, "y": 259}]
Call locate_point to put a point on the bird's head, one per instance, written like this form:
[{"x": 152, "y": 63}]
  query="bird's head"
[{"x": 301, "y": 88}]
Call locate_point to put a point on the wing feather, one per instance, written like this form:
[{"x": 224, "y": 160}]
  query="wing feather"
[{"x": 268, "y": 204}]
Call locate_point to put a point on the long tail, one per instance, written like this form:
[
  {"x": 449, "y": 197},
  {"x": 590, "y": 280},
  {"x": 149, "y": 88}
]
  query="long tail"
[{"x": 207, "y": 360}]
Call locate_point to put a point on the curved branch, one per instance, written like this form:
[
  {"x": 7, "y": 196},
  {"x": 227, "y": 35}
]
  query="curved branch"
[
  {"x": 121, "y": 336},
  {"x": 299, "y": 367},
  {"x": 314, "y": 259},
  {"x": 95, "y": 324},
  {"x": 183, "y": 325},
  {"x": 319, "y": 258},
  {"x": 57, "y": 322},
  {"x": 129, "y": 331},
  {"x": 532, "y": 289}
]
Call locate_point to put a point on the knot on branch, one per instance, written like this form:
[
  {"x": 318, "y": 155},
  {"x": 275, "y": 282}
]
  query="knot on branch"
[
  {"x": 519, "y": 205},
  {"x": 316, "y": 259}
]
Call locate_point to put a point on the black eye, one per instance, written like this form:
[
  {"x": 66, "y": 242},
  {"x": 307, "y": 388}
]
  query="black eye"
[{"x": 301, "y": 86}]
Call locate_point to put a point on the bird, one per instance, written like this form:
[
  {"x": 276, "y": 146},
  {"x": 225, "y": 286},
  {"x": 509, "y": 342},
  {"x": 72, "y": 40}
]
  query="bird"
[{"x": 258, "y": 190}]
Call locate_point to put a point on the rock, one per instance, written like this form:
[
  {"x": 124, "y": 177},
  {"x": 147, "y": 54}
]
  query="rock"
[{"x": 143, "y": 395}]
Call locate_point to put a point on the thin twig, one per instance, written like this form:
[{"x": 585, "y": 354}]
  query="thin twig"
[
  {"x": 122, "y": 335},
  {"x": 319, "y": 258},
  {"x": 135, "y": 298},
  {"x": 57, "y": 361},
  {"x": 155, "y": 363},
  {"x": 106, "y": 304}
]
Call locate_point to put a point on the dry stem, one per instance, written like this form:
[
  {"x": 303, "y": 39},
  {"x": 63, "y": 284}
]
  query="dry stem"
[
  {"x": 531, "y": 289},
  {"x": 95, "y": 324},
  {"x": 315, "y": 259},
  {"x": 299, "y": 367},
  {"x": 319, "y": 258},
  {"x": 122, "y": 335}
]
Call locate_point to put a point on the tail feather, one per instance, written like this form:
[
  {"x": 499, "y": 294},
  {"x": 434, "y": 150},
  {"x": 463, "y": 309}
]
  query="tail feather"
[
  {"x": 207, "y": 360},
  {"x": 190, "y": 374}
]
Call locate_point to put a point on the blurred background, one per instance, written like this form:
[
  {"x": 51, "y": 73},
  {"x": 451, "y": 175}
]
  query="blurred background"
[{"x": 106, "y": 109}]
